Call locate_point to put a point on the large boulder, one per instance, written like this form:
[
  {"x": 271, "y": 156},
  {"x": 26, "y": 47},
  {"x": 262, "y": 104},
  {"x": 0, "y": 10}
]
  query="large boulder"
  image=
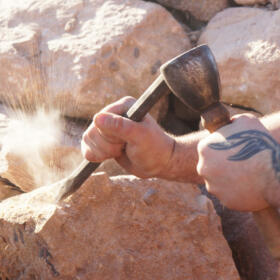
[
  {"x": 114, "y": 228},
  {"x": 81, "y": 55},
  {"x": 249, "y": 251},
  {"x": 246, "y": 45},
  {"x": 202, "y": 10},
  {"x": 251, "y": 2}
]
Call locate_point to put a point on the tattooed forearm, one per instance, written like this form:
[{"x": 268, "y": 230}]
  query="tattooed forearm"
[{"x": 253, "y": 142}]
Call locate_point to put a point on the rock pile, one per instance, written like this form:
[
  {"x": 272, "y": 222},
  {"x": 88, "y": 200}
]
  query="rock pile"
[
  {"x": 248, "y": 57},
  {"x": 81, "y": 55},
  {"x": 114, "y": 228},
  {"x": 78, "y": 56}
]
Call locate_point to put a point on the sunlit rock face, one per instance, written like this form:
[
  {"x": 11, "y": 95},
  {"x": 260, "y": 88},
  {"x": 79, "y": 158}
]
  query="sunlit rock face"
[
  {"x": 81, "y": 55},
  {"x": 246, "y": 45},
  {"x": 202, "y": 10},
  {"x": 252, "y": 2},
  {"x": 118, "y": 227},
  {"x": 114, "y": 228}
]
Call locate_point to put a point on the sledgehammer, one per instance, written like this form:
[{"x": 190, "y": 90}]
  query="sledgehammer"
[{"x": 194, "y": 79}]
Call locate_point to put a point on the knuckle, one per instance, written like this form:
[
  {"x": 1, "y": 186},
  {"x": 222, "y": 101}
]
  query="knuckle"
[
  {"x": 129, "y": 130},
  {"x": 95, "y": 155},
  {"x": 121, "y": 124},
  {"x": 202, "y": 147},
  {"x": 85, "y": 137},
  {"x": 200, "y": 168},
  {"x": 246, "y": 117},
  {"x": 128, "y": 99},
  {"x": 113, "y": 151},
  {"x": 89, "y": 155},
  {"x": 87, "y": 152},
  {"x": 116, "y": 122},
  {"x": 91, "y": 133},
  {"x": 120, "y": 106},
  {"x": 249, "y": 115}
]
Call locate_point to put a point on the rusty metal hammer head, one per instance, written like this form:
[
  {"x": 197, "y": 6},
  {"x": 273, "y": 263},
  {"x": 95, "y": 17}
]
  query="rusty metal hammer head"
[{"x": 194, "y": 78}]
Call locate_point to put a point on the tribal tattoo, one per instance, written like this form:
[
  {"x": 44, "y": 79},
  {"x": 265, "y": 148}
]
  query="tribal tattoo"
[{"x": 253, "y": 141}]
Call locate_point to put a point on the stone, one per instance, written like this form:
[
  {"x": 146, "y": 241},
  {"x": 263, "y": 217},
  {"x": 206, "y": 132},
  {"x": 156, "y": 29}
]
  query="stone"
[
  {"x": 202, "y": 10},
  {"x": 251, "y": 2},
  {"x": 111, "y": 168},
  {"x": 247, "y": 57},
  {"x": 250, "y": 254},
  {"x": 80, "y": 55},
  {"x": 118, "y": 227}
]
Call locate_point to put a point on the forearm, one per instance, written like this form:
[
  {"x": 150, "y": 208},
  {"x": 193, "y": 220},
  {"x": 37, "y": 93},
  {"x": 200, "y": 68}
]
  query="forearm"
[
  {"x": 183, "y": 162},
  {"x": 184, "y": 159}
]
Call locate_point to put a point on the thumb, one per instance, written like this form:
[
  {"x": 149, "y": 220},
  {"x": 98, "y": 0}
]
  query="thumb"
[{"x": 112, "y": 125}]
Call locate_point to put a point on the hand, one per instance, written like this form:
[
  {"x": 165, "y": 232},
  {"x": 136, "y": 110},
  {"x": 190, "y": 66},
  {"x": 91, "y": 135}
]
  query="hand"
[
  {"x": 239, "y": 164},
  {"x": 143, "y": 148}
]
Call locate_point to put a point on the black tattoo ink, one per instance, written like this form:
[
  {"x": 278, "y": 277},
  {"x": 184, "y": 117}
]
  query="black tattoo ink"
[{"x": 254, "y": 141}]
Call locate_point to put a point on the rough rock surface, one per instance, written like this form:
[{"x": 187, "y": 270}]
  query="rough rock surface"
[
  {"x": 114, "y": 228},
  {"x": 250, "y": 254},
  {"x": 202, "y": 10},
  {"x": 251, "y": 2},
  {"x": 81, "y": 55},
  {"x": 248, "y": 58}
]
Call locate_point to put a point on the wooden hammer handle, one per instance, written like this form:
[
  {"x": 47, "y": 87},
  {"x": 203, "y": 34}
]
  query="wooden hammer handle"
[
  {"x": 136, "y": 113},
  {"x": 267, "y": 220}
]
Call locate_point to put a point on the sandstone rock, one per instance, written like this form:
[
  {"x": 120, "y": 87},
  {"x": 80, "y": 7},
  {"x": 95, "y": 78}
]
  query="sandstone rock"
[
  {"x": 249, "y": 250},
  {"x": 248, "y": 58},
  {"x": 250, "y": 254},
  {"x": 114, "y": 228},
  {"x": 31, "y": 172},
  {"x": 81, "y": 55},
  {"x": 38, "y": 149},
  {"x": 200, "y": 9},
  {"x": 111, "y": 168},
  {"x": 251, "y": 2}
]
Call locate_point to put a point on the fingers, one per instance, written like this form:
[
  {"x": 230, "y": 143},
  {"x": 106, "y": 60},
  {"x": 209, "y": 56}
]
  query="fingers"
[
  {"x": 119, "y": 128},
  {"x": 108, "y": 132},
  {"x": 95, "y": 148},
  {"x": 121, "y": 106}
]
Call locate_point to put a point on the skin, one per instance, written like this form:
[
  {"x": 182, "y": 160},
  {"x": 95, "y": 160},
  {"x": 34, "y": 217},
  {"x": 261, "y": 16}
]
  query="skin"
[
  {"x": 145, "y": 150},
  {"x": 130, "y": 143},
  {"x": 241, "y": 185}
]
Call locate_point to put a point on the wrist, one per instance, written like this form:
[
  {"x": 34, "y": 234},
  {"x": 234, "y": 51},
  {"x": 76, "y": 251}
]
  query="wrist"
[
  {"x": 165, "y": 170},
  {"x": 183, "y": 159}
]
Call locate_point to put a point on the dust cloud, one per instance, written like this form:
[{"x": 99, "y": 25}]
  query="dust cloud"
[{"x": 35, "y": 141}]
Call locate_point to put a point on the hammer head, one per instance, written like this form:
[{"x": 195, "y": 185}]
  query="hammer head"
[{"x": 194, "y": 78}]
